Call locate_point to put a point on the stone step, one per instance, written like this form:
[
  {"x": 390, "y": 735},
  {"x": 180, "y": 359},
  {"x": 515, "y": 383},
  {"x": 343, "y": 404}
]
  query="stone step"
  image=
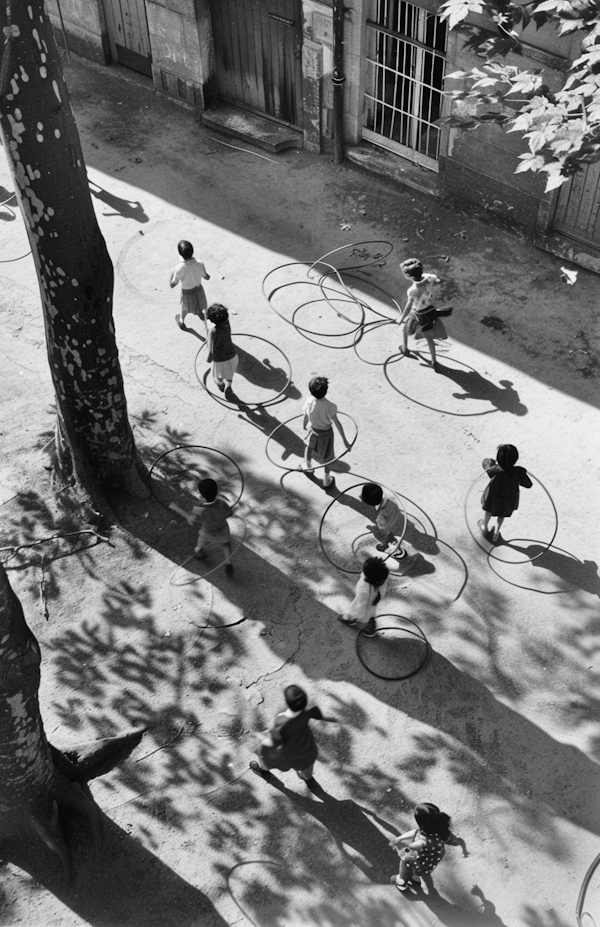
[{"x": 251, "y": 128}]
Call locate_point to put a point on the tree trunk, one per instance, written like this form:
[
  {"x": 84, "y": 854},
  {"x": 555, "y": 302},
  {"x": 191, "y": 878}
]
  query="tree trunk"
[
  {"x": 94, "y": 442},
  {"x": 37, "y": 782}
]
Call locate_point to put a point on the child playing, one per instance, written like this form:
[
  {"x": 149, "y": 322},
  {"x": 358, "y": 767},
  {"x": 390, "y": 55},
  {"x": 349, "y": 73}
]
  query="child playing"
[
  {"x": 426, "y": 848},
  {"x": 319, "y": 415},
  {"x": 501, "y": 495},
  {"x": 420, "y": 316},
  {"x": 290, "y": 743},
  {"x": 221, "y": 349},
  {"x": 211, "y": 518},
  {"x": 370, "y": 590},
  {"x": 190, "y": 273},
  {"x": 387, "y": 519}
]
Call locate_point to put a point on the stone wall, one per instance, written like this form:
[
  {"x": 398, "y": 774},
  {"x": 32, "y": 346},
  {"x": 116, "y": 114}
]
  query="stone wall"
[
  {"x": 84, "y": 26},
  {"x": 182, "y": 51}
]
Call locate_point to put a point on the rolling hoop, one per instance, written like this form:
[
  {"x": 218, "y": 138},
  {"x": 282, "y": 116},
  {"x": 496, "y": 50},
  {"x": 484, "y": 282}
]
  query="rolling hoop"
[
  {"x": 318, "y": 466},
  {"x": 251, "y": 405},
  {"x": 489, "y": 553},
  {"x": 417, "y": 634},
  {"x": 202, "y": 447}
]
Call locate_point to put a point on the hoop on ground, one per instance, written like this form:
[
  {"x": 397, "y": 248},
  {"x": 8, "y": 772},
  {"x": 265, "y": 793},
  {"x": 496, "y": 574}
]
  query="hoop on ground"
[
  {"x": 377, "y": 258},
  {"x": 434, "y": 379},
  {"x": 327, "y": 463},
  {"x": 490, "y": 550},
  {"x": 393, "y": 644},
  {"x": 179, "y": 578},
  {"x": 399, "y": 536},
  {"x": 361, "y": 334},
  {"x": 198, "y": 473},
  {"x": 232, "y": 404},
  {"x": 309, "y": 331}
]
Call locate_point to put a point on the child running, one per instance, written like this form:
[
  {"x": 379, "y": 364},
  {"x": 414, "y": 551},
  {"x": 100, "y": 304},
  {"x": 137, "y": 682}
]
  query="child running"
[
  {"x": 190, "y": 273},
  {"x": 501, "y": 495},
  {"x": 387, "y": 521},
  {"x": 370, "y": 590},
  {"x": 290, "y": 743},
  {"x": 420, "y": 316},
  {"x": 221, "y": 349},
  {"x": 211, "y": 518},
  {"x": 427, "y": 846},
  {"x": 319, "y": 415}
]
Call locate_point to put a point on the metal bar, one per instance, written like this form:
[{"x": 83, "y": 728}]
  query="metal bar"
[{"x": 405, "y": 38}]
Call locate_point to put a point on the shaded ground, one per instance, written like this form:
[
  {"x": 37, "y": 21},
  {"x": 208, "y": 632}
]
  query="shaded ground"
[{"x": 499, "y": 727}]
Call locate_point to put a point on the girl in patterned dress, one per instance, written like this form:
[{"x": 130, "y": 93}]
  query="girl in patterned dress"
[
  {"x": 426, "y": 848},
  {"x": 420, "y": 316}
]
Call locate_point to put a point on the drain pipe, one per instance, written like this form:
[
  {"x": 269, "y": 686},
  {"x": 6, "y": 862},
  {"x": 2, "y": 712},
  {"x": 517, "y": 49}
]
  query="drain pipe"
[{"x": 338, "y": 79}]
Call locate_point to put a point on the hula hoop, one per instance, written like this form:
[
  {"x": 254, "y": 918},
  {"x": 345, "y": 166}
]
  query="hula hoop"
[
  {"x": 309, "y": 331},
  {"x": 196, "y": 579},
  {"x": 318, "y": 466},
  {"x": 356, "y": 244},
  {"x": 508, "y": 543},
  {"x": 322, "y": 287},
  {"x": 376, "y": 286},
  {"x": 394, "y": 358},
  {"x": 250, "y": 405},
  {"x": 418, "y": 634},
  {"x": 369, "y": 327},
  {"x": 269, "y": 295},
  {"x": 579, "y": 912},
  {"x": 332, "y": 503},
  {"x": 202, "y": 447}
]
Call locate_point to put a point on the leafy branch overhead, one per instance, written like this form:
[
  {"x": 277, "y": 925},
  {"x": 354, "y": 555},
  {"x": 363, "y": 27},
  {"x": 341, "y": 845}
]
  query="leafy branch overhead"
[{"x": 562, "y": 126}]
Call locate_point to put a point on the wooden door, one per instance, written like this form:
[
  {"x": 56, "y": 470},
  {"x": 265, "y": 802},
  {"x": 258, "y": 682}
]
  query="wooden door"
[
  {"x": 258, "y": 47},
  {"x": 577, "y": 212},
  {"x": 127, "y": 27}
]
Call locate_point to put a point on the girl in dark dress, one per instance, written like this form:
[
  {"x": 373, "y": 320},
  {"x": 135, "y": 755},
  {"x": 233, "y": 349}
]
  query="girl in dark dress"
[
  {"x": 290, "y": 743},
  {"x": 501, "y": 496}
]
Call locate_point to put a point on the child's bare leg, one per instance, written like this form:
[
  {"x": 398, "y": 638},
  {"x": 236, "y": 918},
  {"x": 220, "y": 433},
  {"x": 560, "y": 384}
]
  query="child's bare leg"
[
  {"x": 404, "y": 348},
  {"x": 498, "y": 526},
  {"x": 484, "y": 524},
  {"x": 228, "y": 554},
  {"x": 431, "y": 346}
]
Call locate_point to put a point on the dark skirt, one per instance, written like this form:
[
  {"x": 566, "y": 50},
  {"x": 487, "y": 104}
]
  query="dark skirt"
[{"x": 320, "y": 443}]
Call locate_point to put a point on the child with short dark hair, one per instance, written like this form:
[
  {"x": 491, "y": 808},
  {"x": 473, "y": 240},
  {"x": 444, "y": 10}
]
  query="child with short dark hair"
[
  {"x": 370, "y": 590},
  {"x": 387, "y": 520},
  {"x": 501, "y": 495},
  {"x": 190, "y": 273},
  {"x": 221, "y": 349},
  {"x": 211, "y": 517},
  {"x": 420, "y": 316},
  {"x": 428, "y": 841},
  {"x": 319, "y": 416},
  {"x": 290, "y": 743}
]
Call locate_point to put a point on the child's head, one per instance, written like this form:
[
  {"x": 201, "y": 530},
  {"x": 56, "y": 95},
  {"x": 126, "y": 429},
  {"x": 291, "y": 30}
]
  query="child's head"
[
  {"x": 295, "y": 698},
  {"x": 186, "y": 249},
  {"x": 375, "y": 571},
  {"x": 507, "y": 456},
  {"x": 432, "y": 821},
  {"x": 372, "y": 494},
  {"x": 318, "y": 386},
  {"x": 412, "y": 268},
  {"x": 208, "y": 489},
  {"x": 217, "y": 314}
]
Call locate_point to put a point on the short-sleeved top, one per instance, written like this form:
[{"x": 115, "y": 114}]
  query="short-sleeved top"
[
  {"x": 430, "y": 851},
  {"x": 388, "y": 513},
  {"x": 189, "y": 274},
  {"x": 321, "y": 412},
  {"x": 212, "y": 517},
  {"x": 423, "y": 292},
  {"x": 294, "y": 746}
]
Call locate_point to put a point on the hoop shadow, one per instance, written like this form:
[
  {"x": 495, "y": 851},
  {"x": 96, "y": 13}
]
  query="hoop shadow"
[
  {"x": 475, "y": 386},
  {"x": 128, "y": 209},
  {"x": 262, "y": 373},
  {"x": 291, "y": 443},
  {"x": 453, "y": 915},
  {"x": 350, "y": 825},
  {"x": 566, "y": 567}
]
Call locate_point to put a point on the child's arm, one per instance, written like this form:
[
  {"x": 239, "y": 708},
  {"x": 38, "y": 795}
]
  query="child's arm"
[
  {"x": 174, "y": 281},
  {"x": 338, "y": 425},
  {"x": 203, "y": 271},
  {"x": 189, "y": 517},
  {"x": 209, "y": 345},
  {"x": 407, "y": 836},
  {"x": 454, "y": 841},
  {"x": 305, "y": 422},
  {"x": 406, "y": 310}
]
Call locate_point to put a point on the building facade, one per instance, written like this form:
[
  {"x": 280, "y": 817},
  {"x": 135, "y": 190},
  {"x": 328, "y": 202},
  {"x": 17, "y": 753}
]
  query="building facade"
[{"x": 274, "y": 58}]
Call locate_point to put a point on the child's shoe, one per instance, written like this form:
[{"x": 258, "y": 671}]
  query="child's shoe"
[
  {"x": 327, "y": 480},
  {"x": 199, "y": 555},
  {"x": 369, "y": 629},
  {"x": 484, "y": 531},
  {"x": 221, "y": 385},
  {"x": 405, "y": 562},
  {"x": 180, "y": 323},
  {"x": 229, "y": 569}
]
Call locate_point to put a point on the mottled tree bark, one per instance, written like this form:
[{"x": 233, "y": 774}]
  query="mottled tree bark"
[
  {"x": 94, "y": 442},
  {"x": 39, "y": 784}
]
